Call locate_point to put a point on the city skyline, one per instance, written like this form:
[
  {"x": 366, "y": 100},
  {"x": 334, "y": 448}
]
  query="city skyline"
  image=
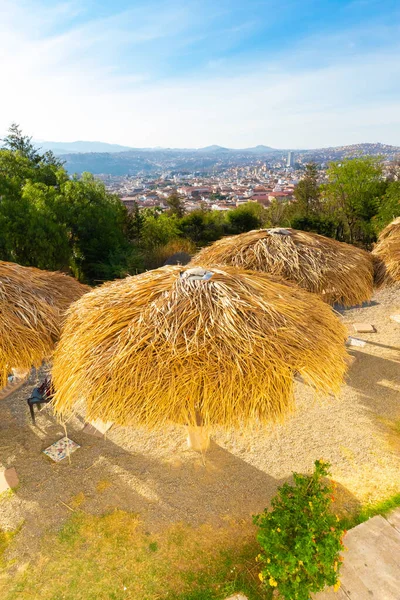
[{"x": 193, "y": 74}]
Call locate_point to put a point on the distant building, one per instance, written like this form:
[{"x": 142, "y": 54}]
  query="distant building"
[{"x": 290, "y": 159}]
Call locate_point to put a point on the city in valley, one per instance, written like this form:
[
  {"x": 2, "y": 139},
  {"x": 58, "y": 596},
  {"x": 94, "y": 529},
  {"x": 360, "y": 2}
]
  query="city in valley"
[{"x": 215, "y": 178}]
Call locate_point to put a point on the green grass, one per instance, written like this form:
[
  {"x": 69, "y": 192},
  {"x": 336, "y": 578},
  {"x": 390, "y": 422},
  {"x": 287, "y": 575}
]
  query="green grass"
[
  {"x": 112, "y": 558},
  {"x": 6, "y": 538},
  {"x": 371, "y": 510}
]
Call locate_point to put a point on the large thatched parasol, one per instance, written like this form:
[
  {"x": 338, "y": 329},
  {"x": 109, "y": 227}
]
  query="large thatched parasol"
[
  {"x": 32, "y": 307},
  {"x": 340, "y": 273},
  {"x": 170, "y": 345},
  {"x": 387, "y": 255}
]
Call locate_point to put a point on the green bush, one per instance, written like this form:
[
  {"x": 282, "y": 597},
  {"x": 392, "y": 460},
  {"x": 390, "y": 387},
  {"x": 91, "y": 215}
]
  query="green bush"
[{"x": 300, "y": 537}]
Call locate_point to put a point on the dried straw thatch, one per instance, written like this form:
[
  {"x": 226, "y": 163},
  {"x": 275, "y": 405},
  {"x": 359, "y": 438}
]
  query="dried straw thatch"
[
  {"x": 340, "y": 273},
  {"x": 32, "y": 307},
  {"x": 386, "y": 255},
  {"x": 166, "y": 346}
]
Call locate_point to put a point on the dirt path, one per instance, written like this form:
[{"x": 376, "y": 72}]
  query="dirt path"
[{"x": 156, "y": 476}]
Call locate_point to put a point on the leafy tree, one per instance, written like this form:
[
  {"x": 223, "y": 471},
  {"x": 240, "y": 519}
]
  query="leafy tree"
[
  {"x": 390, "y": 206},
  {"x": 96, "y": 221},
  {"x": 134, "y": 224},
  {"x": 45, "y": 240},
  {"x": 202, "y": 226},
  {"x": 176, "y": 205},
  {"x": 45, "y": 165},
  {"x": 17, "y": 142},
  {"x": 244, "y": 218},
  {"x": 323, "y": 224},
  {"x": 30, "y": 230},
  {"x": 354, "y": 191},
  {"x": 307, "y": 192},
  {"x": 278, "y": 214},
  {"x": 158, "y": 230}
]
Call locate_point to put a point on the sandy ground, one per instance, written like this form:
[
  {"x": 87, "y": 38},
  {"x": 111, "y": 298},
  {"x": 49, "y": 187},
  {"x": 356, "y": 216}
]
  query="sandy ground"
[{"x": 156, "y": 476}]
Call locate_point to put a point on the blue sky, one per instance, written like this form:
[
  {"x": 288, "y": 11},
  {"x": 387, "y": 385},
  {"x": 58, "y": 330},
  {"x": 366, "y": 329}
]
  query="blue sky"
[{"x": 197, "y": 72}]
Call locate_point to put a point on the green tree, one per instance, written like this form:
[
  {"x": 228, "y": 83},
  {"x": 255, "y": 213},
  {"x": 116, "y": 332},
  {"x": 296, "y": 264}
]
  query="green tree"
[
  {"x": 17, "y": 142},
  {"x": 45, "y": 240},
  {"x": 354, "y": 193},
  {"x": 158, "y": 229},
  {"x": 278, "y": 214},
  {"x": 244, "y": 218},
  {"x": 44, "y": 165},
  {"x": 31, "y": 232},
  {"x": 203, "y": 226},
  {"x": 96, "y": 221},
  {"x": 390, "y": 206},
  {"x": 307, "y": 192},
  {"x": 176, "y": 205},
  {"x": 135, "y": 220}
]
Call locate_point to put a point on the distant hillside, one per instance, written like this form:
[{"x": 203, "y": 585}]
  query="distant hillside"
[
  {"x": 155, "y": 160},
  {"x": 367, "y": 149},
  {"x": 74, "y": 147},
  {"x": 112, "y": 163}
]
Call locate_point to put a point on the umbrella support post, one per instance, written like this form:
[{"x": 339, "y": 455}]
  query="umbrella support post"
[{"x": 198, "y": 436}]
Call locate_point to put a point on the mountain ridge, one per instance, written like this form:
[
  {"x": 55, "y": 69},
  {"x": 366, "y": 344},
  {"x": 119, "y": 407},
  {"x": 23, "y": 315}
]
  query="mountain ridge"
[
  {"x": 211, "y": 158},
  {"x": 84, "y": 147}
]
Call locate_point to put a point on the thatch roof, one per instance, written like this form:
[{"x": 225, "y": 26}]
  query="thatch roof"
[
  {"x": 32, "y": 307},
  {"x": 162, "y": 345},
  {"x": 387, "y": 255},
  {"x": 340, "y": 273}
]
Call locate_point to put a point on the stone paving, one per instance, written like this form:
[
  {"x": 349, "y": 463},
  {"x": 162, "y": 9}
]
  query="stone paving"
[{"x": 371, "y": 568}]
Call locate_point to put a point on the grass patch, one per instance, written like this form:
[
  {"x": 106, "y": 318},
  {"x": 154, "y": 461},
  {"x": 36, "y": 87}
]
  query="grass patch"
[
  {"x": 6, "y": 538},
  {"x": 103, "y": 485},
  {"x": 371, "y": 510},
  {"x": 112, "y": 558}
]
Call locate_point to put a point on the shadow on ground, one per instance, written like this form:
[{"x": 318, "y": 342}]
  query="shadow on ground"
[{"x": 162, "y": 485}]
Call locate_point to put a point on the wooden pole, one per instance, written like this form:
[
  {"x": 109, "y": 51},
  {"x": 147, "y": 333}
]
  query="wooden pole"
[{"x": 198, "y": 436}]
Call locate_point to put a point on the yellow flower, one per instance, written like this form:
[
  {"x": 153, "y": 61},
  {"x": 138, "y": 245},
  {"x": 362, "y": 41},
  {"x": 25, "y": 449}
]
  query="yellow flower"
[
  {"x": 310, "y": 504},
  {"x": 337, "y": 518},
  {"x": 301, "y": 562},
  {"x": 268, "y": 560},
  {"x": 278, "y": 530},
  {"x": 272, "y": 582},
  {"x": 261, "y": 577},
  {"x": 336, "y": 586}
]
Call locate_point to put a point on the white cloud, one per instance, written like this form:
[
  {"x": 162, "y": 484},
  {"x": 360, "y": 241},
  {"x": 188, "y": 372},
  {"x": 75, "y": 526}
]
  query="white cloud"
[{"x": 66, "y": 87}]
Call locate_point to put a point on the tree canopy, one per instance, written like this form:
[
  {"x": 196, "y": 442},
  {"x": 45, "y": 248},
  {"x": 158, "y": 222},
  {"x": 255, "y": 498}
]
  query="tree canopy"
[{"x": 50, "y": 221}]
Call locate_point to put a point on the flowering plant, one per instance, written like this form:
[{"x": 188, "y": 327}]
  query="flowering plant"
[{"x": 300, "y": 537}]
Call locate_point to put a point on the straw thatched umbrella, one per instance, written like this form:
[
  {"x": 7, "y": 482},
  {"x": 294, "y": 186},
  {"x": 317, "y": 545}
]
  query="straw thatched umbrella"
[
  {"x": 338, "y": 272},
  {"x": 32, "y": 307},
  {"x": 178, "y": 345},
  {"x": 387, "y": 255}
]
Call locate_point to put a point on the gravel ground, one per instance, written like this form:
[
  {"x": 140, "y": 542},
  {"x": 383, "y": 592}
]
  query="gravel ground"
[{"x": 158, "y": 477}]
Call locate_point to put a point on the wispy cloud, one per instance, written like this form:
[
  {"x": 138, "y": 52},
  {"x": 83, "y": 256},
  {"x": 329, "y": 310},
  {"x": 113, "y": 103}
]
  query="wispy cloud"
[{"x": 175, "y": 74}]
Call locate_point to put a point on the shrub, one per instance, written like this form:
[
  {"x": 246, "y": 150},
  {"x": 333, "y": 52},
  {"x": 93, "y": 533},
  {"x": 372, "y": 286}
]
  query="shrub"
[{"x": 300, "y": 537}]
